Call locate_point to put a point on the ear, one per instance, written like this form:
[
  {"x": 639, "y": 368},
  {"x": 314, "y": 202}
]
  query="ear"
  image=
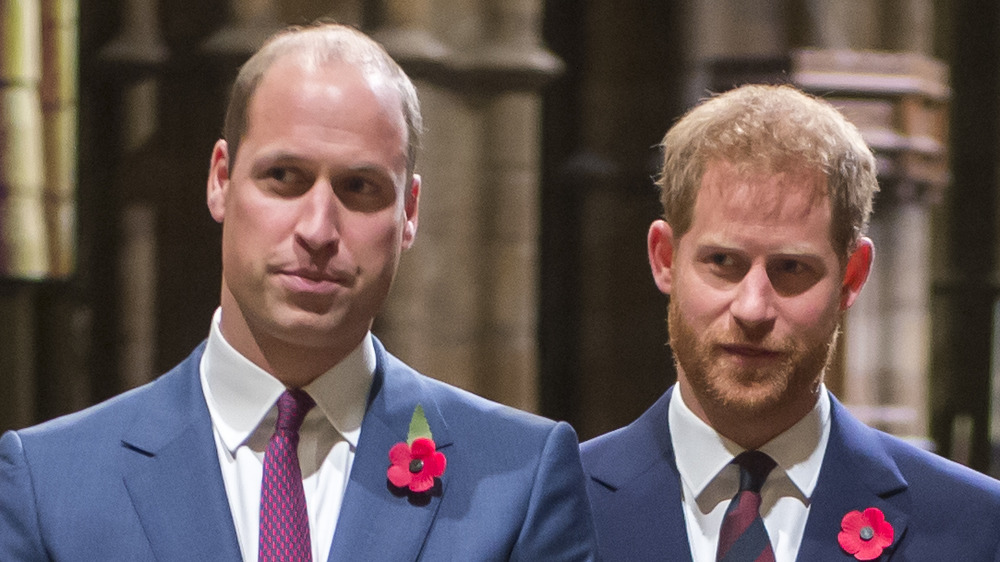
[
  {"x": 859, "y": 265},
  {"x": 411, "y": 206},
  {"x": 660, "y": 243},
  {"x": 218, "y": 180}
]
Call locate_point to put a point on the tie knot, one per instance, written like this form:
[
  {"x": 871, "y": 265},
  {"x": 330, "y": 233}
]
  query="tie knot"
[
  {"x": 293, "y": 405},
  {"x": 754, "y": 468}
]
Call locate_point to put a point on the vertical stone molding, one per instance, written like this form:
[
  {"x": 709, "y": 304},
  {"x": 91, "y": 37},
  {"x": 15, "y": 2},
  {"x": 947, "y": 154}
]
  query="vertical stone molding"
[
  {"x": 432, "y": 317},
  {"x": 508, "y": 263},
  {"x": 406, "y": 30},
  {"x": 251, "y": 22},
  {"x": 899, "y": 101},
  {"x": 465, "y": 302},
  {"x": 17, "y": 349},
  {"x": 60, "y": 20},
  {"x": 851, "y": 24},
  {"x": 23, "y": 237},
  {"x": 136, "y": 58},
  {"x": 139, "y": 47}
]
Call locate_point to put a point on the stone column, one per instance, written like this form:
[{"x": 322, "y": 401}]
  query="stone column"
[
  {"x": 464, "y": 306},
  {"x": 899, "y": 100},
  {"x": 23, "y": 237},
  {"x": 134, "y": 57},
  {"x": 251, "y": 22},
  {"x": 23, "y": 248},
  {"x": 60, "y": 20}
]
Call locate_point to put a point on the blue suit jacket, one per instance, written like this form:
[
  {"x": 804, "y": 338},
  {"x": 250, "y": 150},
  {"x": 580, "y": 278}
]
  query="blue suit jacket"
[
  {"x": 939, "y": 510},
  {"x": 138, "y": 478}
]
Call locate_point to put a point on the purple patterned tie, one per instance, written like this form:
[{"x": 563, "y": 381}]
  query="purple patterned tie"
[
  {"x": 743, "y": 537},
  {"x": 284, "y": 522}
]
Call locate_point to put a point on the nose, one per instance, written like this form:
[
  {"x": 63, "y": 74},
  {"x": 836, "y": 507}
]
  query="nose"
[
  {"x": 318, "y": 227},
  {"x": 753, "y": 306}
]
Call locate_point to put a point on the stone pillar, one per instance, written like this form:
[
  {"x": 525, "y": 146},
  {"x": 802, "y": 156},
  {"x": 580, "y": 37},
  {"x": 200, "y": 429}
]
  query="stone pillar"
[
  {"x": 899, "y": 100},
  {"x": 135, "y": 57},
  {"x": 23, "y": 237},
  {"x": 898, "y": 97},
  {"x": 251, "y": 22},
  {"x": 60, "y": 20},
  {"x": 464, "y": 305},
  {"x": 966, "y": 288},
  {"x": 18, "y": 385},
  {"x": 23, "y": 247},
  {"x": 740, "y": 30},
  {"x": 604, "y": 314}
]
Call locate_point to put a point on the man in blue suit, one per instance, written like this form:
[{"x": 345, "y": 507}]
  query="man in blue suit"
[
  {"x": 315, "y": 191},
  {"x": 766, "y": 195}
]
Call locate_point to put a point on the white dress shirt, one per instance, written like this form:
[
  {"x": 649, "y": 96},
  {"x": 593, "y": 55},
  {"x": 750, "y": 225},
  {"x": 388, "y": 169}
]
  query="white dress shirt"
[
  {"x": 242, "y": 400},
  {"x": 709, "y": 482}
]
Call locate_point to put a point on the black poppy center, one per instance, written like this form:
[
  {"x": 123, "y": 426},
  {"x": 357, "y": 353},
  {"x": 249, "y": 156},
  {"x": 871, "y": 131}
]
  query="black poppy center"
[
  {"x": 867, "y": 533},
  {"x": 416, "y": 465}
]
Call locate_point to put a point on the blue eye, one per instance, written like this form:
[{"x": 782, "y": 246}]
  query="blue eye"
[
  {"x": 358, "y": 185},
  {"x": 791, "y": 266},
  {"x": 365, "y": 193},
  {"x": 722, "y": 260}
]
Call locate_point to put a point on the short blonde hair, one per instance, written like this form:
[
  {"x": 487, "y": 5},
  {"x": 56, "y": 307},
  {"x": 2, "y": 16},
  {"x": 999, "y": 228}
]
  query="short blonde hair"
[
  {"x": 322, "y": 43},
  {"x": 770, "y": 129}
]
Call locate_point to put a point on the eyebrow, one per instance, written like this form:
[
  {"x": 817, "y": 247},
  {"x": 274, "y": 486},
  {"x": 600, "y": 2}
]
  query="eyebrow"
[
  {"x": 789, "y": 250},
  {"x": 283, "y": 156}
]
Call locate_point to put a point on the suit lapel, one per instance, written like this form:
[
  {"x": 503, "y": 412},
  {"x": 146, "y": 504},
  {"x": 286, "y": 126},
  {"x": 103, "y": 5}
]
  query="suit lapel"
[
  {"x": 645, "y": 503},
  {"x": 377, "y": 521},
  {"x": 172, "y": 474},
  {"x": 856, "y": 474}
]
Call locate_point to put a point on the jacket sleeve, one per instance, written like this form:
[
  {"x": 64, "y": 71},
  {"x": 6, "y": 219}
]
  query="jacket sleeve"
[
  {"x": 20, "y": 537},
  {"x": 559, "y": 524}
]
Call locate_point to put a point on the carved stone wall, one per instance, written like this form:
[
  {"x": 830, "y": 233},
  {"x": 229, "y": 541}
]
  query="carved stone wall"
[
  {"x": 154, "y": 79},
  {"x": 841, "y": 50}
]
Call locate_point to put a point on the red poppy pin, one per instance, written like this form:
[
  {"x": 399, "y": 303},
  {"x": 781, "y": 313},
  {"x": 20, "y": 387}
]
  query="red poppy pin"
[
  {"x": 865, "y": 534},
  {"x": 417, "y": 462}
]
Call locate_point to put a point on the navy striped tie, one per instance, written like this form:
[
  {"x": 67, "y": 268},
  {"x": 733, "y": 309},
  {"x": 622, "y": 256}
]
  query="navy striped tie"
[{"x": 743, "y": 537}]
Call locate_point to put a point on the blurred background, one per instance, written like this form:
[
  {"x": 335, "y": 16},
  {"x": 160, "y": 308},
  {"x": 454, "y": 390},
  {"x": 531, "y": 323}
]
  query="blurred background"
[{"x": 528, "y": 283}]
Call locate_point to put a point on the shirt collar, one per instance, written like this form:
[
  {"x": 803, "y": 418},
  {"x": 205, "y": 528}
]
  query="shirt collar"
[
  {"x": 240, "y": 394},
  {"x": 702, "y": 453}
]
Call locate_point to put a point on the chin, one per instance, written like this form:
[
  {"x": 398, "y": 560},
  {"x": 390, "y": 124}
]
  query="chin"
[
  {"x": 752, "y": 397},
  {"x": 309, "y": 329}
]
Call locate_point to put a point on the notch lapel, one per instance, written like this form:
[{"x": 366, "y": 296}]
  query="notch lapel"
[
  {"x": 637, "y": 489},
  {"x": 377, "y": 521},
  {"x": 171, "y": 470},
  {"x": 857, "y": 474}
]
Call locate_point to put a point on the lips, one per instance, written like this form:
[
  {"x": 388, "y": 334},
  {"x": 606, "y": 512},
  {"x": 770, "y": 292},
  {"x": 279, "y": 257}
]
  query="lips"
[
  {"x": 306, "y": 280},
  {"x": 749, "y": 351}
]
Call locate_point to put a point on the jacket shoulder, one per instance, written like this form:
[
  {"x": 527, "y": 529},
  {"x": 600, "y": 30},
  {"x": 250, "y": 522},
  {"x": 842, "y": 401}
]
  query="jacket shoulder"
[{"x": 112, "y": 416}]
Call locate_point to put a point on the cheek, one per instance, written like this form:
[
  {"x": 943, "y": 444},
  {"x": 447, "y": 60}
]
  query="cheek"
[
  {"x": 255, "y": 217},
  {"x": 700, "y": 306},
  {"x": 371, "y": 239},
  {"x": 813, "y": 311},
  {"x": 253, "y": 231}
]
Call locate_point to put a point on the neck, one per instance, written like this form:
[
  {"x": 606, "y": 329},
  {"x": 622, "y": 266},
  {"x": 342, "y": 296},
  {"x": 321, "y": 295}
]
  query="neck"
[
  {"x": 294, "y": 364},
  {"x": 750, "y": 428}
]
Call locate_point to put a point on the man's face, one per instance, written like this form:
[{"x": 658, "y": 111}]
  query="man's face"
[
  {"x": 316, "y": 210},
  {"x": 755, "y": 293}
]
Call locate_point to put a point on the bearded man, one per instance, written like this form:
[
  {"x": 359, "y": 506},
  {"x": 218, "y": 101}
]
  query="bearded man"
[{"x": 766, "y": 194}]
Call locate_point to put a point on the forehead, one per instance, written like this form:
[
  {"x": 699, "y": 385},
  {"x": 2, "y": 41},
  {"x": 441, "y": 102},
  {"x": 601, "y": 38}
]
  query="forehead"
[
  {"x": 734, "y": 207},
  {"x": 334, "y": 101},
  {"x": 297, "y": 81}
]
